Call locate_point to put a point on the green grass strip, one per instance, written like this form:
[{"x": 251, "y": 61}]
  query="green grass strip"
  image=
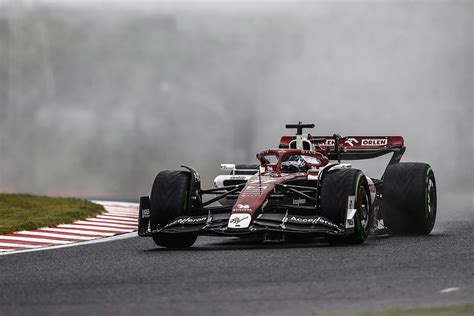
[
  {"x": 25, "y": 212},
  {"x": 458, "y": 310}
]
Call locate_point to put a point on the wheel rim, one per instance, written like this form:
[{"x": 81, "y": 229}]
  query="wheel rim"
[
  {"x": 363, "y": 209},
  {"x": 431, "y": 199}
]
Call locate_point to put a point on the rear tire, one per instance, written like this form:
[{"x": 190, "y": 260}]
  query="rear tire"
[
  {"x": 337, "y": 187},
  {"x": 169, "y": 198},
  {"x": 409, "y": 198}
]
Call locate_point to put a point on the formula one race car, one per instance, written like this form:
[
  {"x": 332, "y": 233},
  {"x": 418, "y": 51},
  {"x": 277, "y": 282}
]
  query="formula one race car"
[{"x": 299, "y": 191}]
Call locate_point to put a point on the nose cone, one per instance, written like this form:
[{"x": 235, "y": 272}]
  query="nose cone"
[{"x": 254, "y": 194}]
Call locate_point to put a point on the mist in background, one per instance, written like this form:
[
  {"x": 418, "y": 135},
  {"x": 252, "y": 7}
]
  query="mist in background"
[{"x": 95, "y": 99}]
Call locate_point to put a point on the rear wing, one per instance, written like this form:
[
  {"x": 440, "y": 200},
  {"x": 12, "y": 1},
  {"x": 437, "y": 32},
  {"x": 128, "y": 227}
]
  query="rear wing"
[{"x": 354, "y": 147}]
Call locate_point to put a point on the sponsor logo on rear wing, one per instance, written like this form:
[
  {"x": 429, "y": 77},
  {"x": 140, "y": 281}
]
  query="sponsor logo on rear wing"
[
  {"x": 349, "y": 143},
  {"x": 359, "y": 142}
]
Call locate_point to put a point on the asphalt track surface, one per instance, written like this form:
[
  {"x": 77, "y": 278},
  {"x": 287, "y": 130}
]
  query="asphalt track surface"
[{"x": 225, "y": 276}]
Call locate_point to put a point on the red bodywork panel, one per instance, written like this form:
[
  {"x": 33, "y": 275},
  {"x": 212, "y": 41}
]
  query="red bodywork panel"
[{"x": 257, "y": 188}]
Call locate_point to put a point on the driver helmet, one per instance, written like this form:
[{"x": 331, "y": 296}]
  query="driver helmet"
[{"x": 293, "y": 163}]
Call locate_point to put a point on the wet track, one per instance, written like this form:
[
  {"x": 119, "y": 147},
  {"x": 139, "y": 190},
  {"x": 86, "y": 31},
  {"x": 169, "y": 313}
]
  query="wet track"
[{"x": 226, "y": 276}]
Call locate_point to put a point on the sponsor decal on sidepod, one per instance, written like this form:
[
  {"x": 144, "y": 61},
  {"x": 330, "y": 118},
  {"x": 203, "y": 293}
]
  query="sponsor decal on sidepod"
[{"x": 299, "y": 201}]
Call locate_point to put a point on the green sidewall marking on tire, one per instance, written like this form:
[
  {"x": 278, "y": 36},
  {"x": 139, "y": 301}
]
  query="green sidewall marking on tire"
[{"x": 357, "y": 184}]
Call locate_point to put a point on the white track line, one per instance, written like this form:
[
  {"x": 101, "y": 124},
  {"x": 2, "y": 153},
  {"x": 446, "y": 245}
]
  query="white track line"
[
  {"x": 100, "y": 224},
  {"x": 76, "y": 237},
  {"x": 39, "y": 240},
  {"x": 125, "y": 219},
  {"x": 103, "y": 220},
  {"x": 94, "y": 228},
  {"x": 449, "y": 290},
  {"x": 134, "y": 213},
  {"x": 96, "y": 241},
  {"x": 19, "y": 245},
  {"x": 112, "y": 223},
  {"x": 120, "y": 215},
  {"x": 78, "y": 231},
  {"x": 118, "y": 204},
  {"x": 122, "y": 212},
  {"x": 118, "y": 207}
]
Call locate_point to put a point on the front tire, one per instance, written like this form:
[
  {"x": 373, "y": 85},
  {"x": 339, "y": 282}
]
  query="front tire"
[
  {"x": 169, "y": 198},
  {"x": 409, "y": 198},
  {"x": 337, "y": 187}
]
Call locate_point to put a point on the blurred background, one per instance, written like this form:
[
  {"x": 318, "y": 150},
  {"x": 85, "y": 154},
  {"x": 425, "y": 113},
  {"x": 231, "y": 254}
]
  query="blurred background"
[{"x": 97, "y": 96}]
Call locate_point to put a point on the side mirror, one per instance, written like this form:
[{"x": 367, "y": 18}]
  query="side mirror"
[{"x": 227, "y": 166}]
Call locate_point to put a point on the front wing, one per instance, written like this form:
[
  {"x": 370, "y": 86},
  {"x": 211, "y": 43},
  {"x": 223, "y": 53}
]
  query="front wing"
[{"x": 217, "y": 224}]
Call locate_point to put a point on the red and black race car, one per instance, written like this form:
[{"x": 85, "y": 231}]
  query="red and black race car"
[{"x": 299, "y": 191}]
